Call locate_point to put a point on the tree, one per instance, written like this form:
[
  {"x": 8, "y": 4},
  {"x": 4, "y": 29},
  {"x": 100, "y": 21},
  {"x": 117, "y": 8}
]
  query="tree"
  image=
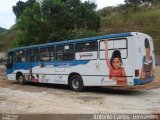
[
  {"x": 32, "y": 27},
  {"x": 54, "y": 20},
  {"x": 155, "y": 1},
  {"x": 30, "y": 3},
  {"x": 138, "y": 2},
  {"x": 133, "y": 3},
  {"x": 69, "y": 16},
  {"x": 20, "y": 7}
]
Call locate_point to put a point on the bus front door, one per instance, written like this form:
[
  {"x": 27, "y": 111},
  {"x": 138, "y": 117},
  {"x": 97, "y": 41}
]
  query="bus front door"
[{"x": 9, "y": 66}]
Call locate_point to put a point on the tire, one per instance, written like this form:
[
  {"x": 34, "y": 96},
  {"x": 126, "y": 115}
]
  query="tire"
[
  {"x": 76, "y": 83},
  {"x": 21, "y": 80}
]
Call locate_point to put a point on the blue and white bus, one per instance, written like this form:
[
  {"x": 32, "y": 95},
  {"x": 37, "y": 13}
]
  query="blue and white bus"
[{"x": 125, "y": 59}]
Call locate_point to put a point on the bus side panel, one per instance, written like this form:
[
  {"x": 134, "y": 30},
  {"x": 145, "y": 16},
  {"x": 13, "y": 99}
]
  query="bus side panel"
[
  {"x": 11, "y": 76},
  {"x": 102, "y": 81},
  {"x": 45, "y": 72},
  {"x": 96, "y": 72},
  {"x": 99, "y": 76}
]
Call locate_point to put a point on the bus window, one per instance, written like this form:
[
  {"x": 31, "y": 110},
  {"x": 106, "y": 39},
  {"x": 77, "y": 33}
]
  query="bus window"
[
  {"x": 86, "y": 51},
  {"x": 92, "y": 46},
  {"x": 115, "y": 44},
  {"x": 110, "y": 45},
  {"x": 81, "y": 47},
  {"x": 10, "y": 60},
  {"x": 32, "y": 55},
  {"x": 65, "y": 53},
  {"x": 120, "y": 44},
  {"x": 20, "y": 56},
  {"x": 47, "y": 54},
  {"x": 86, "y": 47}
]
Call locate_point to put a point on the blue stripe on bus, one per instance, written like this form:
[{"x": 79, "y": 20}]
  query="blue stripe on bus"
[
  {"x": 71, "y": 63},
  {"x": 65, "y": 64},
  {"x": 140, "y": 81}
]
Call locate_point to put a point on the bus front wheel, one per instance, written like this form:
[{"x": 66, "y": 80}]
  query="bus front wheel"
[
  {"x": 76, "y": 83},
  {"x": 21, "y": 80}
]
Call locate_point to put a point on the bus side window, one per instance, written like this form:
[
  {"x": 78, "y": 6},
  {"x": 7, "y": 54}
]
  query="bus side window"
[
  {"x": 32, "y": 55},
  {"x": 114, "y": 44},
  {"x": 93, "y": 46},
  {"x": 20, "y": 56},
  {"x": 86, "y": 51},
  {"x": 59, "y": 53},
  {"x": 86, "y": 47},
  {"x": 121, "y": 45},
  {"x": 52, "y": 53},
  {"x": 81, "y": 47},
  {"x": 47, "y": 54},
  {"x": 69, "y": 52},
  {"x": 65, "y": 52}
]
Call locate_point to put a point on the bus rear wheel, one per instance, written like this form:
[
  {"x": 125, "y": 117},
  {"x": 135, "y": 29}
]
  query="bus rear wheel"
[
  {"x": 76, "y": 83},
  {"x": 21, "y": 80}
]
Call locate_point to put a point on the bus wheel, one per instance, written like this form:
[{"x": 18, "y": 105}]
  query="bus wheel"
[
  {"x": 21, "y": 80},
  {"x": 76, "y": 83}
]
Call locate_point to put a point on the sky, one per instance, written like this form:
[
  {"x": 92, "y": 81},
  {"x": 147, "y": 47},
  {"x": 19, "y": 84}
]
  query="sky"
[{"x": 7, "y": 17}]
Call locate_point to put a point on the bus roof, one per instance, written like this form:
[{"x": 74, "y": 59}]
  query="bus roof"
[{"x": 89, "y": 39}]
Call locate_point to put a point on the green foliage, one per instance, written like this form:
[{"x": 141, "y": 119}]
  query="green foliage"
[
  {"x": 133, "y": 2},
  {"x": 21, "y": 6},
  {"x": 70, "y": 15},
  {"x": 60, "y": 36},
  {"x": 107, "y": 11},
  {"x": 20, "y": 39},
  {"x": 134, "y": 5},
  {"x": 6, "y": 39},
  {"x": 31, "y": 26},
  {"x": 54, "y": 20},
  {"x": 146, "y": 19},
  {"x": 138, "y": 2},
  {"x": 133, "y": 20},
  {"x": 153, "y": 2},
  {"x": 18, "y": 9}
]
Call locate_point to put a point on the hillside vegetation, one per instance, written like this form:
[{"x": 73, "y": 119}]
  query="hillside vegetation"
[
  {"x": 6, "y": 39},
  {"x": 2, "y": 30},
  {"x": 144, "y": 19}
]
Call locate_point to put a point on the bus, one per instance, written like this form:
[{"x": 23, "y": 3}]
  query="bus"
[{"x": 123, "y": 59}]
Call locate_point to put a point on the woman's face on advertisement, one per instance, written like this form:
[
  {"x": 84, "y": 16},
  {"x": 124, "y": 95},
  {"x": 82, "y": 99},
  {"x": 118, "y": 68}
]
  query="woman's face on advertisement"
[
  {"x": 116, "y": 63},
  {"x": 148, "y": 51}
]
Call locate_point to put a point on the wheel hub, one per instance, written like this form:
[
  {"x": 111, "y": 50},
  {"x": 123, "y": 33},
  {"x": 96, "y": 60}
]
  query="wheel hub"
[{"x": 75, "y": 84}]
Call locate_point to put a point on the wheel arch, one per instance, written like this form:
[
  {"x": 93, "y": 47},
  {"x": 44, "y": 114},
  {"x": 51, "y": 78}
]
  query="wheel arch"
[
  {"x": 18, "y": 74},
  {"x": 72, "y": 74}
]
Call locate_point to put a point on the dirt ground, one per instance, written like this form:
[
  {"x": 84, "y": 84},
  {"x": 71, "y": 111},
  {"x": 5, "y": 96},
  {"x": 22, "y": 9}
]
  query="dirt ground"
[{"x": 48, "y": 98}]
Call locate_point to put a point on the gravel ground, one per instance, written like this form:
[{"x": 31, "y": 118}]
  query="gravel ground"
[{"x": 59, "y": 99}]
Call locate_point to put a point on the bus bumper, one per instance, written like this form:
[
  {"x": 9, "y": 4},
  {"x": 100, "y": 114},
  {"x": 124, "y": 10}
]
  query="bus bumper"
[{"x": 141, "y": 82}]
